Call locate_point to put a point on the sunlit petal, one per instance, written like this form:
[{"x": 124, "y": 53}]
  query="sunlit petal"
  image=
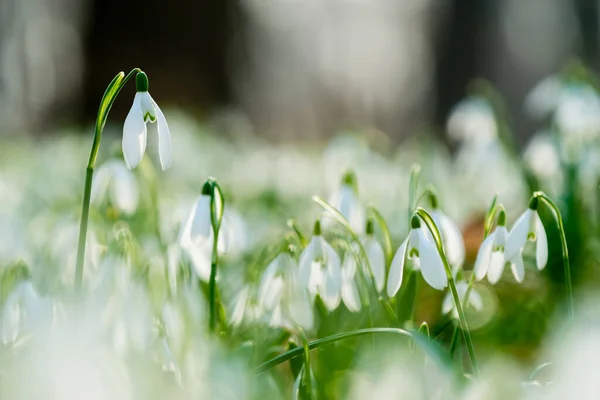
[
  {"x": 432, "y": 266},
  {"x": 397, "y": 270},
  {"x": 454, "y": 245},
  {"x": 518, "y": 269},
  {"x": 376, "y": 261},
  {"x": 518, "y": 235},
  {"x": 134, "y": 134},
  {"x": 496, "y": 267},
  {"x": 350, "y": 295},
  {"x": 201, "y": 225},
  {"x": 484, "y": 254},
  {"x": 541, "y": 250},
  {"x": 164, "y": 138}
]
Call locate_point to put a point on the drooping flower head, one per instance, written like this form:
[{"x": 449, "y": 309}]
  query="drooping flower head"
[
  {"x": 491, "y": 257},
  {"x": 452, "y": 240},
  {"x": 143, "y": 110},
  {"x": 528, "y": 227},
  {"x": 320, "y": 270},
  {"x": 375, "y": 256},
  {"x": 424, "y": 255},
  {"x": 117, "y": 183},
  {"x": 346, "y": 201},
  {"x": 282, "y": 295}
]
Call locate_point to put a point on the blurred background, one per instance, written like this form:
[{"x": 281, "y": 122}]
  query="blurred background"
[{"x": 285, "y": 68}]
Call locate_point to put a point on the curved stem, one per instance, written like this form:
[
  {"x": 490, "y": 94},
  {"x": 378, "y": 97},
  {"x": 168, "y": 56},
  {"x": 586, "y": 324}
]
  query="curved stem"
[
  {"x": 565, "y": 250},
  {"x": 106, "y": 103},
  {"x": 425, "y": 217},
  {"x": 431, "y": 348},
  {"x": 487, "y": 228}
]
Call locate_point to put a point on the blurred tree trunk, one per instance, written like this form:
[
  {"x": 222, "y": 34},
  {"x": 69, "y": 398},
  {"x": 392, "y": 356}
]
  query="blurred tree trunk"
[{"x": 182, "y": 46}]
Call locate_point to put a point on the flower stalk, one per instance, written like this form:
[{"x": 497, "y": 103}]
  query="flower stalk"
[
  {"x": 111, "y": 93},
  {"x": 428, "y": 220}
]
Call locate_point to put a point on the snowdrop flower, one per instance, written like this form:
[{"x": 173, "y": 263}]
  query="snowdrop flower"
[
  {"x": 274, "y": 278},
  {"x": 282, "y": 295},
  {"x": 375, "y": 256},
  {"x": 472, "y": 119},
  {"x": 475, "y": 301},
  {"x": 419, "y": 248},
  {"x": 491, "y": 258},
  {"x": 320, "y": 270},
  {"x": 347, "y": 203},
  {"x": 452, "y": 239},
  {"x": 244, "y": 309},
  {"x": 143, "y": 110},
  {"x": 23, "y": 311},
  {"x": 528, "y": 227},
  {"x": 350, "y": 295},
  {"x": 117, "y": 183}
]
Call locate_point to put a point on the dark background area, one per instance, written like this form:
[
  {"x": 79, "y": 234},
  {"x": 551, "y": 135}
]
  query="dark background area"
[{"x": 197, "y": 55}]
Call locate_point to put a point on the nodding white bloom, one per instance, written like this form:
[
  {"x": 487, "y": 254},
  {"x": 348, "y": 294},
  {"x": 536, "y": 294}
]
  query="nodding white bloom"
[
  {"x": 472, "y": 120},
  {"x": 117, "y": 183},
  {"x": 347, "y": 203},
  {"x": 528, "y": 226},
  {"x": 419, "y": 248},
  {"x": 350, "y": 295},
  {"x": 273, "y": 280},
  {"x": 143, "y": 110},
  {"x": 491, "y": 258},
  {"x": 23, "y": 312},
  {"x": 244, "y": 308},
  {"x": 320, "y": 270},
  {"x": 454, "y": 245},
  {"x": 281, "y": 294},
  {"x": 375, "y": 256},
  {"x": 475, "y": 301}
]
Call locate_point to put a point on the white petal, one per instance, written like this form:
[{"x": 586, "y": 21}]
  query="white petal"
[
  {"x": 432, "y": 266},
  {"x": 518, "y": 269},
  {"x": 541, "y": 250},
  {"x": 124, "y": 190},
  {"x": 484, "y": 254},
  {"x": 271, "y": 285},
  {"x": 101, "y": 180},
  {"x": 496, "y": 267},
  {"x": 331, "y": 286},
  {"x": 164, "y": 137},
  {"x": 448, "y": 303},
  {"x": 376, "y": 260},
  {"x": 452, "y": 239},
  {"x": 134, "y": 134},
  {"x": 200, "y": 257},
  {"x": 475, "y": 300},
  {"x": 397, "y": 270},
  {"x": 239, "y": 307},
  {"x": 200, "y": 229},
  {"x": 305, "y": 264},
  {"x": 518, "y": 235},
  {"x": 350, "y": 295}
]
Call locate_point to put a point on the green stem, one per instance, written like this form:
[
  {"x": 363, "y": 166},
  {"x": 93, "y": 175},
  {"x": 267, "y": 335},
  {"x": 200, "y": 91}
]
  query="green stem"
[
  {"x": 212, "y": 284},
  {"x": 487, "y": 228},
  {"x": 565, "y": 250},
  {"x": 106, "y": 103},
  {"x": 307, "y": 368},
  {"x": 425, "y": 217},
  {"x": 387, "y": 237},
  {"x": 432, "y": 349}
]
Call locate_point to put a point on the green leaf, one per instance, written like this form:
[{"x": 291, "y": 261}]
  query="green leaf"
[{"x": 431, "y": 348}]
